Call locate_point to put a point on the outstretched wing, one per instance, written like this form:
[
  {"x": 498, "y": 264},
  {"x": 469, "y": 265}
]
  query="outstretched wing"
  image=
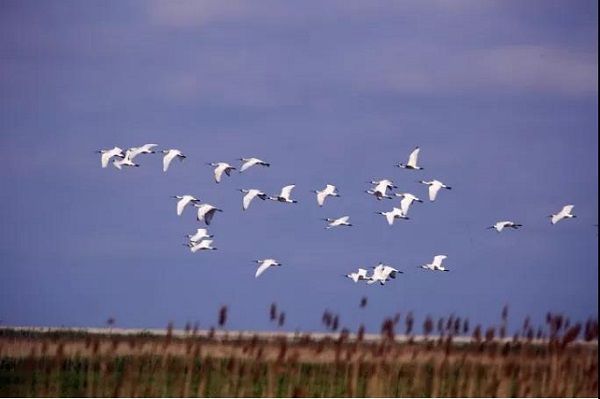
[
  {"x": 433, "y": 191},
  {"x": 405, "y": 204},
  {"x": 209, "y": 215},
  {"x": 247, "y": 164},
  {"x": 167, "y": 159},
  {"x": 567, "y": 209},
  {"x": 248, "y": 198},
  {"x": 219, "y": 172},
  {"x": 437, "y": 260},
  {"x": 413, "y": 158},
  {"x": 389, "y": 216},
  {"x": 181, "y": 205},
  {"x": 321, "y": 195},
  {"x": 263, "y": 266},
  {"x": 287, "y": 191}
]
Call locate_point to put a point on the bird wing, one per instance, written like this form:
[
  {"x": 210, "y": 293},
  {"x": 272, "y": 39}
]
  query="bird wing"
[
  {"x": 567, "y": 209},
  {"x": 105, "y": 157},
  {"x": 405, "y": 204},
  {"x": 205, "y": 244},
  {"x": 200, "y": 233},
  {"x": 209, "y": 215},
  {"x": 167, "y": 159},
  {"x": 437, "y": 260},
  {"x": 412, "y": 159},
  {"x": 433, "y": 190},
  {"x": 250, "y": 162},
  {"x": 389, "y": 216},
  {"x": 181, "y": 204},
  {"x": 248, "y": 198},
  {"x": 219, "y": 172},
  {"x": 287, "y": 191},
  {"x": 321, "y": 195},
  {"x": 343, "y": 219},
  {"x": 330, "y": 189},
  {"x": 263, "y": 266}
]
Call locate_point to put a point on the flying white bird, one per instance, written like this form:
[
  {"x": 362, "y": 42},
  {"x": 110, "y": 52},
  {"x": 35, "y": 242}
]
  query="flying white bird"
[
  {"x": 434, "y": 187},
  {"x": 384, "y": 183},
  {"x": 249, "y": 162},
  {"x": 565, "y": 213},
  {"x": 200, "y": 235},
  {"x": 264, "y": 264},
  {"x": 329, "y": 190},
  {"x": 145, "y": 149},
  {"x": 343, "y": 221},
  {"x": 184, "y": 200},
  {"x": 361, "y": 274},
  {"x": 169, "y": 156},
  {"x": 382, "y": 273},
  {"x": 206, "y": 212},
  {"x": 395, "y": 213},
  {"x": 436, "y": 264},
  {"x": 285, "y": 194},
  {"x": 406, "y": 202},
  {"x": 412, "y": 161},
  {"x": 220, "y": 168},
  {"x": 250, "y": 195},
  {"x": 200, "y": 246},
  {"x": 125, "y": 161},
  {"x": 505, "y": 224},
  {"x": 107, "y": 155},
  {"x": 380, "y": 188}
]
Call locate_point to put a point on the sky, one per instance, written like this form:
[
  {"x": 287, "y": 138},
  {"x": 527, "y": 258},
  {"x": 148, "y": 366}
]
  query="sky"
[{"x": 501, "y": 96}]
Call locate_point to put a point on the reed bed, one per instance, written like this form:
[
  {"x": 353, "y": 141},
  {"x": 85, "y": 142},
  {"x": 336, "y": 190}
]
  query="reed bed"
[{"x": 558, "y": 360}]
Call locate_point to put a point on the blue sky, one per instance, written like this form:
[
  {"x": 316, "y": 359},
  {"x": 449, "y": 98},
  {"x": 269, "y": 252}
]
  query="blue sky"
[{"x": 502, "y": 97}]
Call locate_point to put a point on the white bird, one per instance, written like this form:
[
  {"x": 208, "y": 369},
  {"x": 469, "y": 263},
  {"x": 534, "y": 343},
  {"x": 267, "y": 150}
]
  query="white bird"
[
  {"x": 505, "y": 224},
  {"x": 249, "y": 162},
  {"x": 145, "y": 149},
  {"x": 406, "y": 202},
  {"x": 107, "y": 155},
  {"x": 395, "y": 213},
  {"x": 434, "y": 187},
  {"x": 184, "y": 200},
  {"x": 200, "y": 235},
  {"x": 343, "y": 221},
  {"x": 381, "y": 187},
  {"x": 220, "y": 168},
  {"x": 250, "y": 195},
  {"x": 382, "y": 273},
  {"x": 169, "y": 156},
  {"x": 329, "y": 190},
  {"x": 361, "y": 274},
  {"x": 565, "y": 213},
  {"x": 412, "y": 161},
  {"x": 206, "y": 212},
  {"x": 125, "y": 161},
  {"x": 200, "y": 246},
  {"x": 436, "y": 264},
  {"x": 384, "y": 183},
  {"x": 264, "y": 264},
  {"x": 285, "y": 194}
]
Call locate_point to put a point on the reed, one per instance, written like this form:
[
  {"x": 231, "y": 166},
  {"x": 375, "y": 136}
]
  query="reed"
[{"x": 563, "y": 361}]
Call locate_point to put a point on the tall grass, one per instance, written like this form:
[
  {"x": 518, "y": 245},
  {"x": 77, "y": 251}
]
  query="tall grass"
[{"x": 558, "y": 364}]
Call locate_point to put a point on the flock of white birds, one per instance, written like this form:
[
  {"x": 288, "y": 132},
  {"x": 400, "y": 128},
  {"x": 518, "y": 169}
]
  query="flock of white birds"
[{"x": 201, "y": 240}]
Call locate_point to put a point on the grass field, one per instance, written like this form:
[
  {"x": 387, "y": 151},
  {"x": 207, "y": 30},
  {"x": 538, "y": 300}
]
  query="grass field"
[{"x": 215, "y": 364}]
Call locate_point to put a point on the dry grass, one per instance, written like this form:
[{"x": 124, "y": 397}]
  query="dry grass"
[{"x": 63, "y": 364}]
